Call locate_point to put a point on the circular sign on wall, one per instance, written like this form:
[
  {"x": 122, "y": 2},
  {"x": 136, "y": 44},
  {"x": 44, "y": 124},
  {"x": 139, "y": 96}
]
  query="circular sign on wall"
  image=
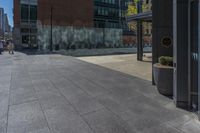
[{"x": 166, "y": 41}]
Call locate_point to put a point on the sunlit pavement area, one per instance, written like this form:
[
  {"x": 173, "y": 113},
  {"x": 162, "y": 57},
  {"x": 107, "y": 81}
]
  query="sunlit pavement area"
[
  {"x": 62, "y": 94},
  {"x": 127, "y": 64}
]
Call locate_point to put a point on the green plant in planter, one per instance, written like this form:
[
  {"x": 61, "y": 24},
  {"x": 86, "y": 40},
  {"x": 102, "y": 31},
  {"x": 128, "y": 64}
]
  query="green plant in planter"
[{"x": 166, "y": 60}]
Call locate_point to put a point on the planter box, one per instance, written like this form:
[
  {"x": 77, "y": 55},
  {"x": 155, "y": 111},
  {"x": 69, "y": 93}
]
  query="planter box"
[{"x": 163, "y": 76}]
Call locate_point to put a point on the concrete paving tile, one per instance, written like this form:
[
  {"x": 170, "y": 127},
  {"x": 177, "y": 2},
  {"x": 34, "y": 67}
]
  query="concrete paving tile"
[
  {"x": 141, "y": 123},
  {"x": 146, "y": 107},
  {"x": 71, "y": 92},
  {"x": 119, "y": 109},
  {"x": 63, "y": 83},
  {"x": 20, "y": 83},
  {"x": 123, "y": 94},
  {"x": 4, "y": 101},
  {"x": 85, "y": 104},
  {"x": 62, "y": 118},
  {"x": 161, "y": 129},
  {"x": 179, "y": 121},
  {"x": 43, "y": 85},
  {"x": 25, "y": 118},
  {"x": 76, "y": 96},
  {"x": 192, "y": 126},
  {"x": 51, "y": 100},
  {"x": 103, "y": 121},
  {"x": 3, "y": 124},
  {"x": 90, "y": 87},
  {"x": 22, "y": 95}
]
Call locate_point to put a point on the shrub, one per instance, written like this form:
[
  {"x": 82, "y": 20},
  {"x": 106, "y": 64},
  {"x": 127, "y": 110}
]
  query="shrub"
[{"x": 166, "y": 60}]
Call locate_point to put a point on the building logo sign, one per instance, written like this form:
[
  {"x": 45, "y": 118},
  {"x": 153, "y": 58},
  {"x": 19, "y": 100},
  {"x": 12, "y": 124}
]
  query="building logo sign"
[{"x": 166, "y": 41}]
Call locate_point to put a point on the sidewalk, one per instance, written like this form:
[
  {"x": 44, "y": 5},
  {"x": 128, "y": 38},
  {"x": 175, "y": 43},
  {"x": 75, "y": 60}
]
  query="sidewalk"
[
  {"x": 127, "y": 64},
  {"x": 60, "y": 94}
]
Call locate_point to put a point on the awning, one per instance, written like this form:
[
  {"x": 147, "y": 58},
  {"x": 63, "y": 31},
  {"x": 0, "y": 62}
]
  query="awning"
[{"x": 146, "y": 16}]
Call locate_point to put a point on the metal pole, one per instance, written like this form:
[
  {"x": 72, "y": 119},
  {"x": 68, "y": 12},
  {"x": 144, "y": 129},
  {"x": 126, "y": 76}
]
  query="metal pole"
[
  {"x": 199, "y": 59},
  {"x": 29, "y": 24},
  {"x": 120, "y": 14},
  {"x": 139, "y": 34},
  {"x": 51, "y": 38}
]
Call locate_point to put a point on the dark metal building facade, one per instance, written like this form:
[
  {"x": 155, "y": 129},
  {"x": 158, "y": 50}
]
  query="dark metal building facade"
[{"x": 180, "y": 21}]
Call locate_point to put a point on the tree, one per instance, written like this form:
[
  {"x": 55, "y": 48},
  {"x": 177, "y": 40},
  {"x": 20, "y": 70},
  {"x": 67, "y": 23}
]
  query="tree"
[{"x": 133, "y": 10}]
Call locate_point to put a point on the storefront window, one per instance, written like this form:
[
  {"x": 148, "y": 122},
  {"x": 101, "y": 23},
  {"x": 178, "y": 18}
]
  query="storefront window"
[
  {"x": 28, "y": 12},
  {"x": 33, "y": 13},
  {"x": 25, "y": 39},
  {"x": 24, "y": 13}
]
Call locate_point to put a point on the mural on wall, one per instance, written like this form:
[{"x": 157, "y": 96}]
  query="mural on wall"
[{"x": 67, "y": 37}]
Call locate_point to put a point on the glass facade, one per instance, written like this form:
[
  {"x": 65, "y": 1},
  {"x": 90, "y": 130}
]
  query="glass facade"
[
  {"x": 28, "y": 25},
  {"x": 24, "y": 13},
  {"x": 110, "y": 13},
  {"x": 28, "y": 13}
]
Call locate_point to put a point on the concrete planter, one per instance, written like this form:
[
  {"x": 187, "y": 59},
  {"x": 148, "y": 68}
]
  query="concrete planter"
[{"x": 163, "y": 76}]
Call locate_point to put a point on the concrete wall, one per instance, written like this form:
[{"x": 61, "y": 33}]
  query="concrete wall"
[{"x": 73, "y": 37}]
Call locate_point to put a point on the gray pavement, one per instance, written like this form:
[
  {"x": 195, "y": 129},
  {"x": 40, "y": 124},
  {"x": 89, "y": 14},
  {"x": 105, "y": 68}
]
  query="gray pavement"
[
  {"x": 126, "y": 63},
  {"x": 60, "y": 94}
]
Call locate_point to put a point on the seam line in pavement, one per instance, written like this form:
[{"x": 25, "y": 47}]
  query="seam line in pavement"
[
  {"x": 29, "y": 101},
  {"x": 73, "y": 107},
  {"x": 40, "y": 104},
  {"x": 8, "y": 110}
]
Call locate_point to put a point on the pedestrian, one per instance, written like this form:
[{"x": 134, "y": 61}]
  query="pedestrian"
[
  {"x": 1, "y": 47},
  {"x": 10, "y": 47}
]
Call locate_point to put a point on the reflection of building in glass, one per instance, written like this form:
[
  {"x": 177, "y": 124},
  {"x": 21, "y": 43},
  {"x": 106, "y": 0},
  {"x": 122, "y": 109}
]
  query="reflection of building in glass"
[
  {"x": 146, "y": 5},
  {"x": 111, "y": 14},
  {"x": 141, "y": 6}
]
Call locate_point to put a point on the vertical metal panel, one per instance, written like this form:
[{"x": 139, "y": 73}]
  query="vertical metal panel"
[
  {"x": 175, "y": 48},
  {"x": 194, "y": 54},
  {"x": 199, "y": 58},
  {"x": 180, "y": 52},
  {"x": 189, "y": 53}
]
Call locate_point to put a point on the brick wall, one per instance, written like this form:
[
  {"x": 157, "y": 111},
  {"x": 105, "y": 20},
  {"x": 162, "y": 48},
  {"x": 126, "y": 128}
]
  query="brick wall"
[
  {"x": 66, "y": 12},
  {"x": 16, "y": 9},
  {"x": 129, "y": 39}
]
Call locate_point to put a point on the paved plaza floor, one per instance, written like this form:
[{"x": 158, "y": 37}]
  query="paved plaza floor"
[
  {"x": 126, "y": 63},
  {"x": 61, "y": 94}
]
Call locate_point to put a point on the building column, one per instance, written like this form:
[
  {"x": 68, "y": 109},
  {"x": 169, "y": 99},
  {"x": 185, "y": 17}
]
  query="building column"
[
  {"x": 162, "y": 29},
  {"x": 180, "y": 31}
]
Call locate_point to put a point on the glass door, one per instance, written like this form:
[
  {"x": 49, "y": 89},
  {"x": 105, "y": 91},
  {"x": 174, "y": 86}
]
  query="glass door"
[{"x": 193, "y": 50}]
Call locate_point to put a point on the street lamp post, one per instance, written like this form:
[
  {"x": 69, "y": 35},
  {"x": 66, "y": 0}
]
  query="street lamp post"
[
  {"x": 120, "y": 14},
  {"x": 51, "y": 38},
  {"x": 139, "y": 33}
]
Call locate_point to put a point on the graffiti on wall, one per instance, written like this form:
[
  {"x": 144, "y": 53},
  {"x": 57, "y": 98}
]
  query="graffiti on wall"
[{"x": 67, "y": 37}]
